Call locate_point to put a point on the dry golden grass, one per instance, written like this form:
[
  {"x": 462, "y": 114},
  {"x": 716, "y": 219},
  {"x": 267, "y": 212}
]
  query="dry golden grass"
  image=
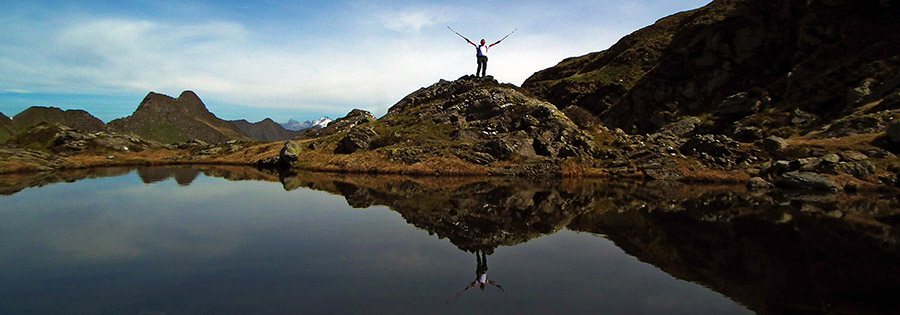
[
  {"x": 856, "y": 142},
  {"x": 716, "y": 176}
]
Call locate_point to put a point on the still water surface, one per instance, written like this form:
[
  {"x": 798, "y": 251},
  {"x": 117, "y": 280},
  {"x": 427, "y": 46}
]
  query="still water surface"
[{"x": 180, "y": 241}]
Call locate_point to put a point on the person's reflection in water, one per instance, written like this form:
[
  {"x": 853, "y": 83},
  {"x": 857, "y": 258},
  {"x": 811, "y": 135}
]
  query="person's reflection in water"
[{"x": 481, "y": 279}]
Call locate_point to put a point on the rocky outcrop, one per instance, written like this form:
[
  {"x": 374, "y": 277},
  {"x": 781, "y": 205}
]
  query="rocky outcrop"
[
  {"x": 344, "y": 124},
  {"x": 76, "y": 119},
  {"x": 265, "y": 130},
  {"x": 169, "y": 120},
  {"x": 65, "y": 140},
  {"x": 494, "y": 120},
  {"x": 781, "y": 67},
  {"x": 474, "y": 122}
]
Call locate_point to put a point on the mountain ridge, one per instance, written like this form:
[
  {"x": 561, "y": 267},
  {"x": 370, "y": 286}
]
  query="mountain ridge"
[
  {"x": 295, "y": 125},
  {"x": 776, "y": 61},
  {"x": 264, "y": 130},
  {"x": 168, "y": 120}
]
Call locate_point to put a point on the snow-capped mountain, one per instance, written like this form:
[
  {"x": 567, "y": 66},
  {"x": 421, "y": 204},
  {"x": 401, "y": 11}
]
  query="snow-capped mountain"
[{"x": 296, "y": 125}]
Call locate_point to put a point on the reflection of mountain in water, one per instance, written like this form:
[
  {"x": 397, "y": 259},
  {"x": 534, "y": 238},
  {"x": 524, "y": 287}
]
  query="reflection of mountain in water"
[
  {"x": 474, "y": 214},
  {"x": 16, "y": 182},
  {"x": 773, "y": 252},
  {"x": 183, "y": 175},
  {"x": 769, "y": 250}
]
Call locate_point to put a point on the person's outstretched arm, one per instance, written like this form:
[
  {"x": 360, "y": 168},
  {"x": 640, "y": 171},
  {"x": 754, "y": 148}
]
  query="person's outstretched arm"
[
  {"x": 504, "y": 37},
  {"x": 463, "y": 37}
]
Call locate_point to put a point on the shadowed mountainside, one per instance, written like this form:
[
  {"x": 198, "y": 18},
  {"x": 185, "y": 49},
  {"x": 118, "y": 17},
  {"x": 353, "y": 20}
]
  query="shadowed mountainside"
[
  {"x": 785, "y": 67},
  {"x": 6, "y": 128}
]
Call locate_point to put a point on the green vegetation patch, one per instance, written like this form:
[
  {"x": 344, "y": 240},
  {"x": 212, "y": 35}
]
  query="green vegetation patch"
[
  {"x": 165, "y": 133},
  {"x": 622, "y": 75}
]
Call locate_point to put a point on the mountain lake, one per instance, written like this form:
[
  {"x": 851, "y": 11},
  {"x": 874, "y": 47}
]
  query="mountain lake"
[{"x": 206, "y": 239}]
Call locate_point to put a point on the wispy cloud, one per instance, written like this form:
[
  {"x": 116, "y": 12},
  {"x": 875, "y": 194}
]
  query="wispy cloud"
[
  {"x": 413, "y": 20},
  {"x": 369, "y": 55}
]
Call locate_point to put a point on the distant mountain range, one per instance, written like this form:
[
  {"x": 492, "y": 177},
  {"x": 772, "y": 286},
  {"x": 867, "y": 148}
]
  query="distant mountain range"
[
  {"x": 163, "y": 119},
  {"x": 297, "y": 126},
  {"x": 265, "y": 130}
]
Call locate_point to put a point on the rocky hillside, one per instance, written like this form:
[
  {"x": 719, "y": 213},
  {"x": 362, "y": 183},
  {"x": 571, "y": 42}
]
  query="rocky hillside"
[
  {"x": 745, "y": 68},
  {"x": 265, "y": 130},
  {"x": 169, "y": 120},
  {"x": 467, "y": 126},
  {"x": 77, "y": 119},
  {"x": 6, "y": 128}
]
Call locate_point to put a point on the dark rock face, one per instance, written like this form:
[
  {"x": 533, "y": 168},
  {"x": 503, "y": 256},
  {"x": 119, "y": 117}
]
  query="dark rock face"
[
  {"x": 169, "y": 120},
  {"x": 76, "y": 119},
  {"x": 734, "y": 58},
  {"x": 265, "y": 130}
]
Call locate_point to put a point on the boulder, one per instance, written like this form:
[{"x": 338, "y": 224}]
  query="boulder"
[
  {"x": 747, "y": 133},
  {"x": 893, "y": 132},
  {"x": 759, "y": 183},
  {"x": 808, "y": 180},
  {"x": 358, "y": 138},
  {"x": 772, "y": 144},
  {"x": 742, "y": 104},
  {"x": 290, "y": 153},
  {"x": 856, "y": 169},
  {"x": 853, "y": 156}
]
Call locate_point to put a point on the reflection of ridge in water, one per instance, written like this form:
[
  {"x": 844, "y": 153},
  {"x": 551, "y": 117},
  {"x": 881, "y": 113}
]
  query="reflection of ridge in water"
[
  {"x": 773, "y": 251},
  {"x": 183, "y": 175}
]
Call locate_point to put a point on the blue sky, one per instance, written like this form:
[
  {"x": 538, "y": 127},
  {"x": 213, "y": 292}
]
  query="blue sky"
[{"x": 286, "y": 59}]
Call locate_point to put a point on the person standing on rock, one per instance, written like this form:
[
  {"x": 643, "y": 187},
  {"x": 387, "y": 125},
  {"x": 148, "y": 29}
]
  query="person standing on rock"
[{"x": 481, "y": 52}]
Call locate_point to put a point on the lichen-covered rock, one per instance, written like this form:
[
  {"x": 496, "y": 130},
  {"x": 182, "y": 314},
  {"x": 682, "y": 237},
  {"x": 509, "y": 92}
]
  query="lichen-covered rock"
[{"x": 290, "y": 153}]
